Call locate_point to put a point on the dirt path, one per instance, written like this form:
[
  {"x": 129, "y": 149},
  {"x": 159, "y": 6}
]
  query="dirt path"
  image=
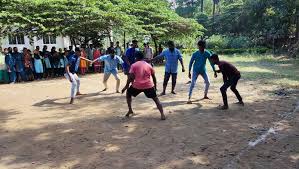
[{"x": 40, "y": 130}]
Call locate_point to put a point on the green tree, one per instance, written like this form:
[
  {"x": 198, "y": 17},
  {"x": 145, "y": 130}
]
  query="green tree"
[
  {"x": 159, "y": 21},
  {"x": 86, "y": 20}
]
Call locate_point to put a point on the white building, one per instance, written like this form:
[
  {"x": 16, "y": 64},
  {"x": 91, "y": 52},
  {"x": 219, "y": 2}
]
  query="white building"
[{"x": 20, "y": 42}]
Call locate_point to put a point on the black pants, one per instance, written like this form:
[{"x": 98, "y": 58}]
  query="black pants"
[
  {"x": 48, "y": 72},
  {"x": 166, "y": 79},
  {"x": 232, "y": 83},
  {"x": 39, "y": 75},
  {"x": 21, "y": 76},
  {"x": 61, "y": 71}
]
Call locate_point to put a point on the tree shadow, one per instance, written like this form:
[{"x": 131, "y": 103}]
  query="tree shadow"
[
  {"x": 55, "y": 103},
  {"x": 189, "y": 138},
  {"x": 278, "y": 69},
  {"x": 178, "y": 103}
]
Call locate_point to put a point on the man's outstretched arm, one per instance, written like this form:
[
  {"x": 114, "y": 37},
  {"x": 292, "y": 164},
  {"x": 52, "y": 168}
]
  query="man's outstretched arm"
[{"x": 129, "y": 81}]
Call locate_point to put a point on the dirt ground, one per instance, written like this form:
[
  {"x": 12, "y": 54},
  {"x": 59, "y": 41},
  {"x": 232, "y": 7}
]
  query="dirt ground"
[{"x": 40, "y": 130}]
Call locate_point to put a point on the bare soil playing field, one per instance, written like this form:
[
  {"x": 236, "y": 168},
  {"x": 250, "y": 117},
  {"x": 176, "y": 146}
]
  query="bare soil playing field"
[{"x": 40, "y": 130}]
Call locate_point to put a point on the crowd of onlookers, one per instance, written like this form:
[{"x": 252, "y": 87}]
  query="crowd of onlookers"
[
  {"x": 47, "y": 63},
  {"x": 39, "y": 64}
]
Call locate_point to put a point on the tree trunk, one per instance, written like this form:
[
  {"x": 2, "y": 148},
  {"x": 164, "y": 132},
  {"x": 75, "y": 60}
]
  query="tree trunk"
[
  {"x": 201, "y": 6},
  {"x": 85, "y": 40},
  {"x": 73, "y": 42},
  {"x": 124, "y": 41},
  {"x": 297, "y": 21},
  {"x": 219, "y": 8},
  {"x": 110, "y": 39},
  {"x": 156, "y": 45},
  {"x": 273, "y": 45},
  {"x": 214, "y": 8}
]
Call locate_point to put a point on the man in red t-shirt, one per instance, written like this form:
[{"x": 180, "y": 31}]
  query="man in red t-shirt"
[
  {"x": 231, "y": 77},
  {"x": 140, "y": 75}
]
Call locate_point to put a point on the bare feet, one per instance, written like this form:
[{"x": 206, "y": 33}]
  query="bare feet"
[
  {"x": 79, "y": 94},
  {"x": 162, "y": 94},
  {"x": 173, "y": 92},
  {"x": 72, "y": 101},
  {"x": 163, "y": 117},
  {"x": 206, "y": 98},
  {"x": 240, "y": 103},
  {"x": 129, "y": 113},
  {"x": 223, "y": 107}
]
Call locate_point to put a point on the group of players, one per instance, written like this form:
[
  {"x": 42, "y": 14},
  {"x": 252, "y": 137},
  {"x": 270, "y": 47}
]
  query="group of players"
[{"x": 141, "y": 75}]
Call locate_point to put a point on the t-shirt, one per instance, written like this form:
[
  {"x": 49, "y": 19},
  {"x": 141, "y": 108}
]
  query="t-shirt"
[
  {"x": 9, "y": 60},
  {"x": 2, "y": 61},
  {"x": 111, "y": 63},
  {"x": 73, "y": 62},
  {"x": 198, "y": 61},
  {"x": 19, "y": 58},
  {"x": 148, "y": 53},
  {"x": 130, "y": 55},
  {"x": 46, "y": 54},
  {"x": 172, "y": 58},
  {"x": 228, "y": 70},
  {"x": 143, "y": 73},
  {"x": 118, "y": 50},
  {"x": 89, "y": 52}
]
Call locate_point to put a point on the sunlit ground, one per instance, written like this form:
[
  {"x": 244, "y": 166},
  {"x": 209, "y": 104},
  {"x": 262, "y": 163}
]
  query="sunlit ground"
[{"x": 40, "y": 130}]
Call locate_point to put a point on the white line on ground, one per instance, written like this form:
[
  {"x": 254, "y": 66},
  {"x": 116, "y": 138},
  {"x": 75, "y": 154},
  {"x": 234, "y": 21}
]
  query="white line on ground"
[
  {"x": 262, "y": 137},
  {"x": 272, "y": 130}
]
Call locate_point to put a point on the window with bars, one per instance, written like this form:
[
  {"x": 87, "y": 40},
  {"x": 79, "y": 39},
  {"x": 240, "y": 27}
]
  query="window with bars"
[
  {"x": 49, "y": 39},
  {"x": 16, "y": 39}
]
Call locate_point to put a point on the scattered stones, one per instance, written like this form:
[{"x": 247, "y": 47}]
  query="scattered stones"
[
  {"x": 203, "y": 148},
  {"x": 232, "y": 153},
  {"x": 282, "y": 92}
]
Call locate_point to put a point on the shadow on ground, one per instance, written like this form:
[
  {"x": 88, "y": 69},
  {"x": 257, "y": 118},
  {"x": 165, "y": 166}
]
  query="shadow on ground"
[{"x": 191, "y": 137}]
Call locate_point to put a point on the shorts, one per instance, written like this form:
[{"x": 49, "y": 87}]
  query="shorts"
[{"x": 149, "y": 93}]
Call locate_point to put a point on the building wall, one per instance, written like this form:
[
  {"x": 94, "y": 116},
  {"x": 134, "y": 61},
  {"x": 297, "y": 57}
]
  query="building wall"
[
  {"x": 5, "y": 43},
  {"x": 61, "y": 42}
]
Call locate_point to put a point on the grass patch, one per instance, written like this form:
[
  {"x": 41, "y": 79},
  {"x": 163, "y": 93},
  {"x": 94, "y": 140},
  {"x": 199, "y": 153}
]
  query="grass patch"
[
  {"x": 263, "y": 68},
  {"x": 267, "y": 69}
]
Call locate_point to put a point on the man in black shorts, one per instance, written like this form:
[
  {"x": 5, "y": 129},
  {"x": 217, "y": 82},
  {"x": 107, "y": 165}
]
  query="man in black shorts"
[{"x": 140, "y": 75}]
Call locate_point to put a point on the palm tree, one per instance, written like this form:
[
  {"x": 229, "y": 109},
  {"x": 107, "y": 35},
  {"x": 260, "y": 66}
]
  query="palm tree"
[{"x": 215, "y": 2}]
